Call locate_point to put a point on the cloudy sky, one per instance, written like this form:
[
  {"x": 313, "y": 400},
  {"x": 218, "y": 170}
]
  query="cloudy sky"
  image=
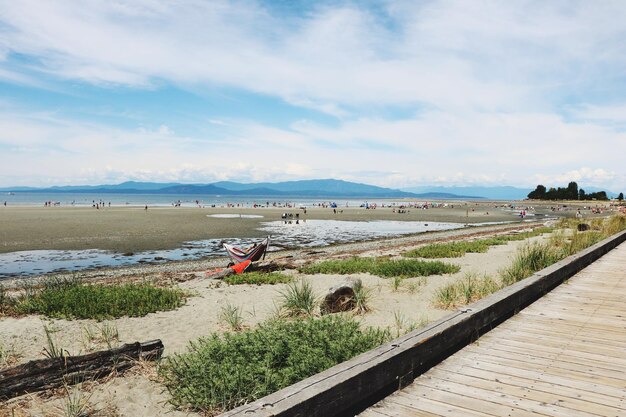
[{"x": 392, "y": 93}]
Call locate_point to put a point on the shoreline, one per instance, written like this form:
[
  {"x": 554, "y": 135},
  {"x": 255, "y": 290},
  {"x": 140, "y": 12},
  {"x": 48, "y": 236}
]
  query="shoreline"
[
  {"x": 286, "y": 256},
  {"x": 135, "y": 229}
]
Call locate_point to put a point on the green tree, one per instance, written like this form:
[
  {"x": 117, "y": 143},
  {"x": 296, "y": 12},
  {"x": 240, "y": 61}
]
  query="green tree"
[
  {"x": 539, "y": 193},
  {"x": 572, "y": 191},
  {"x": 620, "y": 197},
  {"x": 581, "y": 194}
]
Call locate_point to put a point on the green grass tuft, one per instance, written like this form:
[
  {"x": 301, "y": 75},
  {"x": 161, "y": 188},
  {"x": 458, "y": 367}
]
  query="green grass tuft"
[
  {"x": 383, "y": 267},
  {"x": 258, "y": 278},
  {"x": 221, "y": 372},
  {"x": 458, "y": 249},
  {"x": 298, "y": 299},
  {"x": 529, "y": 259},
  {"x": 73, "y": 299},
  {"x": 465, "y": 291}
]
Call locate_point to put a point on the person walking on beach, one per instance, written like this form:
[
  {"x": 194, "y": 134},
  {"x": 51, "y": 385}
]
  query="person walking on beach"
[{"x": 146, "y": 208}]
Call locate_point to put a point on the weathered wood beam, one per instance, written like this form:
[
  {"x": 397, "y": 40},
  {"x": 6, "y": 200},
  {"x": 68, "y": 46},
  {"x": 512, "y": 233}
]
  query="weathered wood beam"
[{"x": 43, "y": 374}]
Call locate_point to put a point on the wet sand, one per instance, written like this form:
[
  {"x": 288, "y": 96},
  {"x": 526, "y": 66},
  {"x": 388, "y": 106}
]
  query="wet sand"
[{"x": 134, "y": 229}]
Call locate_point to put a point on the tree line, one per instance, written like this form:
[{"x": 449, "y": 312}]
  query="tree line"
[{"x": 571, "y": 192}]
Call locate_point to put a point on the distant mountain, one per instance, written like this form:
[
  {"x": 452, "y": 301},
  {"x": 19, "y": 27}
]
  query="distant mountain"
[
  {"x": 495, "y": 193},
  {"x": 446, "y": 196},
  {"x": 304, "y": 188},
  {"x": 324, "y": 188}
]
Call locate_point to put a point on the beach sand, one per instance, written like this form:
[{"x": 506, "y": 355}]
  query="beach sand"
[{"x": 133, "y": 229}]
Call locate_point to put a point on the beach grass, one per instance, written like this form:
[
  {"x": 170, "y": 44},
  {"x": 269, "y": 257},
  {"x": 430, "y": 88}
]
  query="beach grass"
[
  {"x": 231, "y": 316},
  {"x": 458, "y": 249},
  {"x": 467, "y": 290},
  {"x": 383, "y": 267},
  {"x": 221, "y": 372},
  {"x": 298, "y": 299},
  {"x": 362, "y": 297},
  {"x": 529, "y": 259},
  {"x": 74, "y": 299},
  {"x": 258, "y": 278}
]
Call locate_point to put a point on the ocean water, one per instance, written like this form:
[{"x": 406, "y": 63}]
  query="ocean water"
[{"x": 304, "y": 234}]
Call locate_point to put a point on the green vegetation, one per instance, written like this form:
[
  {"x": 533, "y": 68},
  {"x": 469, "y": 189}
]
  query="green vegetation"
[
  {"x": 448, "y": 250},
  {"x": 530, "y": 259},
  {"x": 258, "y": 278},
  {"x": 465, "y": 291},
  {"x": 299, "y": 299},
  {"x": 570, "y": 193},
  {"x": 384, "y": 267},
  {"x": 74, "y": 299},
  {"x": 231, "y": 316},
  {"x": 53, "y": 351},
  {"x": 458, "y": 249},
  {"x": 221, "y": 372},
  {"x": 362, "y": 297}
]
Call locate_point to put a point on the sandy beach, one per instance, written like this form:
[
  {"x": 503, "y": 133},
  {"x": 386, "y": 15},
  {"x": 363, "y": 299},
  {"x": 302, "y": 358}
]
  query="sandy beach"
[
  {"x": 139, "y": 392},
  {"x": 134, "y": 229}
]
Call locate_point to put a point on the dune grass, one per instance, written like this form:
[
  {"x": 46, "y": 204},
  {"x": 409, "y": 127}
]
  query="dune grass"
[
  {"x": 383, "y": 267},
  {"x": 458, "y": 249},
  {"x": 465, "y": 291},
  {"x": 221, "y": 372},
  {"x": 298, "y": 299},
  {"x": 258, "y": 278},
  {"x": 74, "y": 299}
]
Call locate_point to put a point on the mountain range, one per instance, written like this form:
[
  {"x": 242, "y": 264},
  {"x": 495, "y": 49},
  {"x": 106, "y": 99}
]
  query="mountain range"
[{"x": 303, "y": 188}]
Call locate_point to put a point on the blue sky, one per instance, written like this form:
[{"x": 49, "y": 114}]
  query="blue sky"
[{"x": 391, "y": 93}]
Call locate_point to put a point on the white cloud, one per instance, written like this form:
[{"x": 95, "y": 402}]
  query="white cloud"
[
  {"x": 436, "y": 148},
  {"x": 484, "y": 84},
  {"x": 492, "y": 55},
  {"x": 615, "y": 113}
]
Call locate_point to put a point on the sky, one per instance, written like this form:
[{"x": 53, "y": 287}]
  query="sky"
[{"x": 390, "y": 93}]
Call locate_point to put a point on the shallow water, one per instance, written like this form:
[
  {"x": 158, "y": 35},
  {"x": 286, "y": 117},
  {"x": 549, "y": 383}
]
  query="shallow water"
[{"x": 309, "y": 233}]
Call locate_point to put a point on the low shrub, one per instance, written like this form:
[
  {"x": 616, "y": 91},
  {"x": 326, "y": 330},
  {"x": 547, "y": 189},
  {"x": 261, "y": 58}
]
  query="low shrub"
[
  {"x": 383, "y": 267},
  {"x": 458, "y": 249},
  {"x": 258, "y": 278},
  {"x": 221, "y": 372},
  {"x": 73, "y": 299},
  {"x": 448, "y": 250}
]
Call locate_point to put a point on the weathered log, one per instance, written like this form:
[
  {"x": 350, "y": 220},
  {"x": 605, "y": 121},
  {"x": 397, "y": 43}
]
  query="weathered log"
[
  {"x": 43, "y": 374},
  {"x": 340, "y": 297},
  {"x": 221, "y": 274}
]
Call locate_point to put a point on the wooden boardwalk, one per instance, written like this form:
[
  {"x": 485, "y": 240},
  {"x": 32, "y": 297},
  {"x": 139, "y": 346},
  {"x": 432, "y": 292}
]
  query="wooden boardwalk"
[{"x": 565, "y": 355}]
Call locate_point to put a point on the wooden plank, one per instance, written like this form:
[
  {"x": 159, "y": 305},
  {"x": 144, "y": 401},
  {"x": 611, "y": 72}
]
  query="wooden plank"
[
  {"x": 425, "y": 404},
  {"x": 541, "y": 396},
  {"x": 542, "y": 359},
  {"x": 532, "y": 383},
  {"x": 420, "y": 396},
  {"x": 515, "y": 368},
  {"x": 557, "y": 350},
  {"x": 497, "y": 402}
]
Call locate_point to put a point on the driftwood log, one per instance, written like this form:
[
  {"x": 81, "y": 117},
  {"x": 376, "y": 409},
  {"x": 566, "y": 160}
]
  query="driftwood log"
[{"x": 43, "y": 374}]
